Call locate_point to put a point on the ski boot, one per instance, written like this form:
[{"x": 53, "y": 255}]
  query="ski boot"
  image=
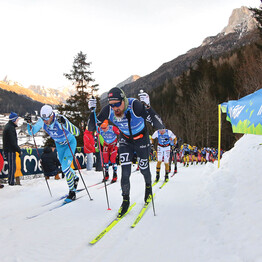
[
  {"x": 106, "y": 177},
  {"x": 148, "y": 192},
  {"x": 114, "y": 178},
  {"x": 76, "y": 182},
  {"x": 166, "y": 178},
  {"x": 157, "y": 178},
  {"x": 71, "y": 196},
  {"x": 124, "y": 207}
]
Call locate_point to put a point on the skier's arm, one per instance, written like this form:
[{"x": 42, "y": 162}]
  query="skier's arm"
[
  {"x": 154, "y": 136},
  {"x": 13, "y": 141},
  {"x": 71, "y": 128},
  {"x": 62, "y": 120},
  {"x": 33, "y": 129},
  {"x": 103, "y": 115},
  {"x": 116, "y": 130},
  {"x": 172, "y": 136},
  {"x": 148, "y": 114}
]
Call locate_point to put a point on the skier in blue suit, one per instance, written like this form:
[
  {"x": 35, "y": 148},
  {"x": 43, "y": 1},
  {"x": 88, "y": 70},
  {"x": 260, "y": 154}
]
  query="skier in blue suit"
[{"x": 52, "y": 124}]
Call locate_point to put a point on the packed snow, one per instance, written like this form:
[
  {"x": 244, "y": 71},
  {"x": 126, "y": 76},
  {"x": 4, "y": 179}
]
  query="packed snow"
[{"x": 203, "y": 214}]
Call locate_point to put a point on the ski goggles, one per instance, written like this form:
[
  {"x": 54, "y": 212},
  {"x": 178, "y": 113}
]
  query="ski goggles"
[
  {"x": 46, "y": 118},
  {"x": 118, "y": 104}
]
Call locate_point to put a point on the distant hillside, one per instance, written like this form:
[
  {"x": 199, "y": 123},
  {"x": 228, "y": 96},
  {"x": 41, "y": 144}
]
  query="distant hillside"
[{"x": 21, "y": 104}]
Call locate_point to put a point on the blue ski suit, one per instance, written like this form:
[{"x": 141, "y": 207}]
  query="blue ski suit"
[{"x": 64, "y": 153}]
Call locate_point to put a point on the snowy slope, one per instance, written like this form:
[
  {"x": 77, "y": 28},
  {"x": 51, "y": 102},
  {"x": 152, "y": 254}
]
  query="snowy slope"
[{"x": 203, "y": 214}]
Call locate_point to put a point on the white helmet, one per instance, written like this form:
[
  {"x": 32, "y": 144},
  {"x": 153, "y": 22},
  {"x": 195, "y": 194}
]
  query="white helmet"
[{"x": 46, "y": 111}]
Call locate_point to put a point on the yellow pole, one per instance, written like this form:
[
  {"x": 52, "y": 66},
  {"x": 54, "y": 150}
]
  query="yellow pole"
[{"x": 219, "y": 135}]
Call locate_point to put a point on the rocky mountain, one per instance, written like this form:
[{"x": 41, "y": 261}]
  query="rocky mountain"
[
  {"x": 60, "y": 95},
  {"x": 38, "y": 93},
  {"x": 240, "y": 31},
  {"x": 129, "y": 80}
]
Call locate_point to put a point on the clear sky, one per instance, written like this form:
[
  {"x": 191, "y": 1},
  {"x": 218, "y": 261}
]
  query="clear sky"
[{"x": 40, "y": 38}]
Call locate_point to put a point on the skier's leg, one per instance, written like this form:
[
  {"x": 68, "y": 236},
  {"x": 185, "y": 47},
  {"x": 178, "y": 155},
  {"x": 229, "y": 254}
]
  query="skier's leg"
[
  {"x": 66, "y": 159},
  {"x": 125, "y": 155}
]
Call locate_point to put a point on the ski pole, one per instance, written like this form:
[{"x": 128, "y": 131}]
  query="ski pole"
[
  {"x": 40, "y": 160},
  {"x": 153, "y": 202},
  {"x": 77, "y": 163},
  {"x": 102, "y": 159}
]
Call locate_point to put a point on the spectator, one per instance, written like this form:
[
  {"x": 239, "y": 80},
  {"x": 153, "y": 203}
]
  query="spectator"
[
  {"x": 50, "y": 163},
  {"x": 10, "y": 146},
  {"x": 1, "y": 166},
  {"x": 18, "y": 172},
  {"x": 89, "y": 148},
  {"x": 98, "y": 157}
]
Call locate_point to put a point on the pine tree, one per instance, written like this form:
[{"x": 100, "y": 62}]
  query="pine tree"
[
  {"x": 76, "y": 107},
  {"x": 257, "y": 14}
]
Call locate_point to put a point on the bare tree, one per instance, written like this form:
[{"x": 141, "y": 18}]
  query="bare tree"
[
  {"x": 248, "y": 76},
  {"x": 203, "y": 122}
]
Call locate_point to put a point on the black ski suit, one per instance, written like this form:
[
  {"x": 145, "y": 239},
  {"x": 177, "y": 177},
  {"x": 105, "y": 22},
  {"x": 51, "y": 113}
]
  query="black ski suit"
[
  {"x": 136, "y": 142},
  {"x": 10, "y": 148}
]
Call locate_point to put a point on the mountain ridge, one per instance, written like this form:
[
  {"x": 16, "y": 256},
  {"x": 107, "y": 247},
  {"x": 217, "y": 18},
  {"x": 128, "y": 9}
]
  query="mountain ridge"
[
  {"x": 38, "y": 93},
  {"x": 240, "y": 31}
]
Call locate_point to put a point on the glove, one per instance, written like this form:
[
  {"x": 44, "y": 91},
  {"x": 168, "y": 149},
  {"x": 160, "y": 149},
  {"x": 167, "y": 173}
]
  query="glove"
[
  {"x": 60, "y": 119},
  {"x": 144, "y": 98},
  {"x": 28, "y": 118},
  {"x": 92, "y": 103}
]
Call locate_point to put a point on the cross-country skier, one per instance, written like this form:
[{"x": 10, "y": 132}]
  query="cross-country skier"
[
  {"x": 109, "y": 133},
  {"x": 164, "y": 136},
  {"x": 194, "y": 155},
  {"x": 61, "y": 130},
  {"x": 186, "y": 149},
  {"x": 129, "y": 115},
  {"x": 203, "y": 155}
]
